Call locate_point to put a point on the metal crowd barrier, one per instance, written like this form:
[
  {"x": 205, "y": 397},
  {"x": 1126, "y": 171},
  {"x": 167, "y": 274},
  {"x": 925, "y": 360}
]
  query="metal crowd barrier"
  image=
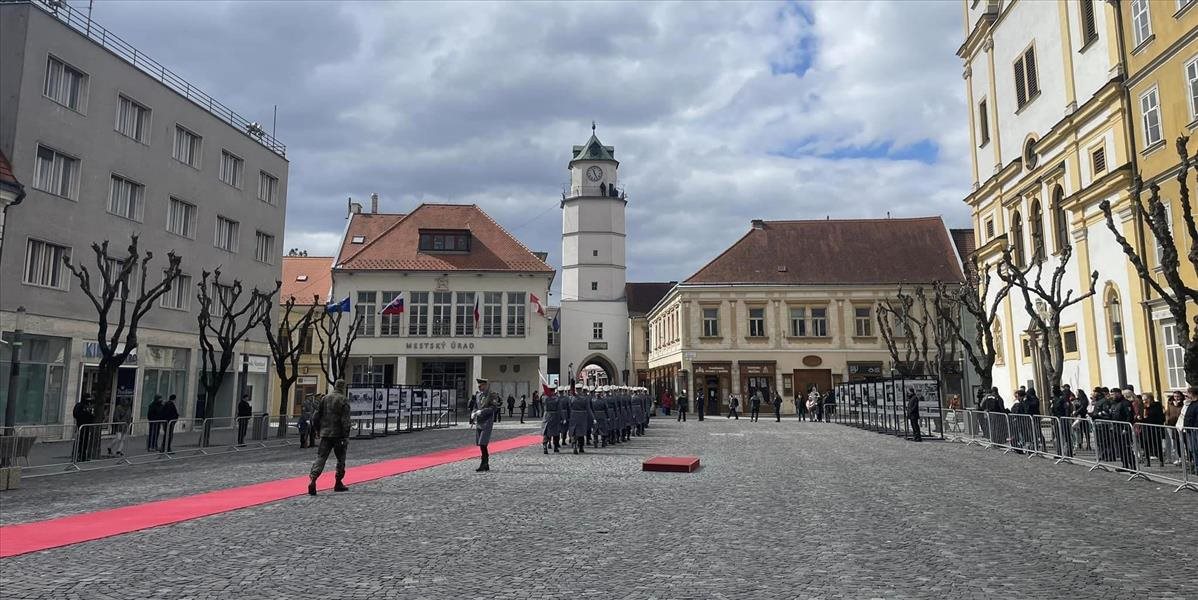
[{"x": 1140, "y": 450}]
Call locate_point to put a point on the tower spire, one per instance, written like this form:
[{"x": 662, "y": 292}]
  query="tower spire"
[{"x": 592, "y": 127}]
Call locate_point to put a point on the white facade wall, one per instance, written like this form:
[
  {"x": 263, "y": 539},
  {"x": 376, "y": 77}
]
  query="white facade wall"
[{"x": 1026, "y": 24}]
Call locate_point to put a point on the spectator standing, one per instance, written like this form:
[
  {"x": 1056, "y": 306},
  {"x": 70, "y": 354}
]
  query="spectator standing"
[
  {"x": 1081, "y": 413},
  {"x": 244, "y": 413},
  {"x": 523, "y": 407},
  {"x": 755, "y": 405},
  {"x": 813, "y": 402},
  {"x": 733, "y": 405},
  {"x": 683, "y": 405},
  {"x": 154, "y": 415},
  {"x": 511, "y": 405},
  {"x": 170, "y": 414},
  {"x": 85, "y": 416},
  {"x": 1124, "y": 412},
  {"x": 122, "y": 420},
  {"x": 801, "y": 405},
  {"x": 777, "y": 407},
  {"x": 1150, "y": 436},
  {"x": 1187, "y": 426},
  {"x": 1172, "y": 415}
]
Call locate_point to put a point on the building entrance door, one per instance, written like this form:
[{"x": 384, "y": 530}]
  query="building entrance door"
[
  {"x": 805, "y": 378},
  {"x": 712, "y": 394}
]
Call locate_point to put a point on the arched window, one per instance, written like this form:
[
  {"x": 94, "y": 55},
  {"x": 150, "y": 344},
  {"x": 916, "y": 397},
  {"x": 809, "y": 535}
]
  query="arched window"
[
  {"x": 1060, "y": 221},
  {"x": 1037, "y": 223},
  {"x": 998, "y": 353},
  {"x": 1114, "y": 318},
  {"x": 1017, "y": 239}
]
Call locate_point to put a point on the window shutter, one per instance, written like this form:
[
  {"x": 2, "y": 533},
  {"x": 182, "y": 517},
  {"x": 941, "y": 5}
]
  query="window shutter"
[
  {"x": 984, "y": 120},
  {"x": 1029, "y": 64},
  {"x": 1099, "y": 160},
  {"x": 1020, "y": 91},
  {"x": 1089, "y": 28}
]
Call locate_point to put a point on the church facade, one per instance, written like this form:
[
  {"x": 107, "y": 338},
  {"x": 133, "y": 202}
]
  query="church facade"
[{"x": 594, "y": 312}]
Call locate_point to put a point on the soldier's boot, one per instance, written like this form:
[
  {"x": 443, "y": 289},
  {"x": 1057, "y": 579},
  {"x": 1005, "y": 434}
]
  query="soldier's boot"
[
  {"x": 486, "y": 464},
  {"x": 312, "y": 486},
  {"x": 545, "y": 446},
  {"x": 481, "y": 466},
  {"x": 556, "y": 446},
  {"x": 340, "y": 486}
]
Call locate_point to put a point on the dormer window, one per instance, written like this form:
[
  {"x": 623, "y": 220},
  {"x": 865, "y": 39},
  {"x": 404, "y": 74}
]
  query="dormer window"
[
  {"x": 358, "y": 239},
  {"x": 301, "y": 277},
  {"x": 444, "y": 241}
]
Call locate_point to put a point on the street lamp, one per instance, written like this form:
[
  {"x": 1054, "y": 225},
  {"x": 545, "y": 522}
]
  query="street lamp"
[{"x": 14, "y": 373}]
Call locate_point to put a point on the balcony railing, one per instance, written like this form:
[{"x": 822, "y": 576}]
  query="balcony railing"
[
  {"x": 85, "y": 26},
  {"x": 574, "y": 191}
]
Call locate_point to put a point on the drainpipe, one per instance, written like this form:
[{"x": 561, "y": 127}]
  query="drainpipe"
[{"x": 1129, "y": 139}]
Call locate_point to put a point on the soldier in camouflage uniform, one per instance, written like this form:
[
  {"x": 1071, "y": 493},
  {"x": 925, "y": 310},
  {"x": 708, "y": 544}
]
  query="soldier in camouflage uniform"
[{"x": 331, "y": 419}]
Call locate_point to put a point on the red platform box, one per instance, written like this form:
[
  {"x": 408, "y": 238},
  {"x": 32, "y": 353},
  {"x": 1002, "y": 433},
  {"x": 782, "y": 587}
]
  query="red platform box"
[{"x": 671, "y": 464}]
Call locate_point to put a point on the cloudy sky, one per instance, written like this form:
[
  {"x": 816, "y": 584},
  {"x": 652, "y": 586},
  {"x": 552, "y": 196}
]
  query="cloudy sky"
[{"x": 720, "y": 113}]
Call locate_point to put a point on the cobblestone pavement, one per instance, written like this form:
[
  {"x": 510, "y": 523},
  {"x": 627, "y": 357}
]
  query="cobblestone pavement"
[{"x": 779, "y": 510}]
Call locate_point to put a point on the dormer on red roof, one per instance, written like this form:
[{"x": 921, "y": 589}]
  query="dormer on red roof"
[{"x": 434, "y": 237}]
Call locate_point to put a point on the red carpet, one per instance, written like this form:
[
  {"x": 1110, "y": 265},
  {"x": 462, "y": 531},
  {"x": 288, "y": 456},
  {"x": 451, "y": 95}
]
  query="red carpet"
[{"x": 64, "y": 531}]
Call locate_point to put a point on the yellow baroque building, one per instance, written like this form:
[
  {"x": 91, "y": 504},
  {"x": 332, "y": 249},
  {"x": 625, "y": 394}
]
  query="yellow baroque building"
[{"x": 1161, "y": 59}]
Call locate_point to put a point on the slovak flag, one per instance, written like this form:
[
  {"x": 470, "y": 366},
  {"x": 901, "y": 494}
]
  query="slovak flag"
[
  {"x": 545, "y": 389},
  {"x": 477, "y": 316},
  {"x": 395, "y": 307},
  {"x": 556, "y": 324},
  {"x": 536, "y": 303},
  {"x": 338, "y": 307}
]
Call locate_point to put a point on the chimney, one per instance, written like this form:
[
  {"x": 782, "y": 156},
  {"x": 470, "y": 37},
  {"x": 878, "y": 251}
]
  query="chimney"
[
  {"x": 353, "y": 207},
  {"x": 374, "y": 203},
  {"x": 758, "y": 224}
]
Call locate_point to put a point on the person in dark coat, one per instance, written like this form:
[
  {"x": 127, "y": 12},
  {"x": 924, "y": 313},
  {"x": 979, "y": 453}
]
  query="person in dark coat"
[
  {"x": 1151, "y": 436},
  {"x": 754, "y": 405},
  {"x": 484, "y": 421},
  {"x": 153, "y": 415},
  {"x": 1122, "y": 411},
  {"x": 913, "y": 415},
  {"x": 1189, "y": 425},
  {"x": 582, "y": 418},
  {"x": 331, "y": 420},
  {"x": 511, "y": 406},
  {"x": 700, "y": 406},
  {"x": 683, "y": 405},
  {"x": 523, "y": 407},
  {"x": 169, "y": 414},
  {"x": 244, "y": 413},
  {"x": 551, "y": 420},
  {"x": 777, "y": 407},
  {"x": 733, "y": 405},
  {"x": 84, "y": 414}
]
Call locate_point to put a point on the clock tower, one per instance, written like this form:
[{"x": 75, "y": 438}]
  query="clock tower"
[{"x": 594, "y": 313}]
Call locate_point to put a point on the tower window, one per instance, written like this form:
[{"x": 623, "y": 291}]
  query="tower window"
[
  {"x": 597, "y": 330},
  {"x": 594, "y": 286},
  {"x": 594, "y": 253}
]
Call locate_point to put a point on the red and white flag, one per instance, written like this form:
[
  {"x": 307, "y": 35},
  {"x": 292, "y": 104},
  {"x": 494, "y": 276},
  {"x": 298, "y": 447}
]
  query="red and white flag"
[
  {"x": 545, "y": 389},
  {"x": 536, "y": 304}
]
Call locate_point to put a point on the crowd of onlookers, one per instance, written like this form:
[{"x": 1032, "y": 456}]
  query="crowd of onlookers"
[{"x": 1162, "y": 430}]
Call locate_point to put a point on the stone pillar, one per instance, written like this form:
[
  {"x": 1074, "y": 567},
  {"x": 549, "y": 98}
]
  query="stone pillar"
[
  {"x": 401, "y": 370},
  {"x": 476, "y": 368}
]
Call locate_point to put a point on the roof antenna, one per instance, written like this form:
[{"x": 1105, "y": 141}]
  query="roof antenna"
[{"x": 887, "y": 214}]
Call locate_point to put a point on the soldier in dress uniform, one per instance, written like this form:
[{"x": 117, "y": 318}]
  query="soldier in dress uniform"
[
  {"x": 551, "y": 421},
  {"x": 581, "y": 420},
  {"x": 599, "y": 404}
]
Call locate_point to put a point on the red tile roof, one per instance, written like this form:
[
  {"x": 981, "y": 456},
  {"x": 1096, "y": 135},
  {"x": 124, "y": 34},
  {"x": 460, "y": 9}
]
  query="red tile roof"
[
  {"x": 317, "y": 274},
  {"x": 641, "y": 297},
  {"x": 966, "y": 245},
  {"x": 392, "y": 243},
  {"x": 837, "y": 252},
  {"x": 6, "y": 176}
]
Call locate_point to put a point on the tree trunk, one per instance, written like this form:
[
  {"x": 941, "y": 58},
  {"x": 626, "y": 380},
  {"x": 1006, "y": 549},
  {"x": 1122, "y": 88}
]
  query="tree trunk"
[
  {"x": 102, "y": 390},
  {"x": 284, "y": 406}
]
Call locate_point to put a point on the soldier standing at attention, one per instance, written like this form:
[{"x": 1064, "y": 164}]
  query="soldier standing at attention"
[
  {"x": 551, "y": 422},
  {"x": 484, "y": 421},
  {"x": 331, "y": 420},
  {"x": 599, "y": 406}
]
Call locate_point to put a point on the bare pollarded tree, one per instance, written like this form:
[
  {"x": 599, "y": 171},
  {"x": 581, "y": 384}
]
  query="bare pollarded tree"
[
  {"x": 224, "y": 319},
  {"x": 335, "y": 345},
  {"x": 1173, "y": 291},
  {"x": 287, "y": 344},
  {"x": 973, "y": 298},
  {"x": 1044, "y": 305},
  {"x": 121, "y": 298}
]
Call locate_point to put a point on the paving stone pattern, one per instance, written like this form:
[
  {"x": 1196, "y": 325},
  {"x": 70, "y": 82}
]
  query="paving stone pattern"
[{"x": 779, "y": 510}]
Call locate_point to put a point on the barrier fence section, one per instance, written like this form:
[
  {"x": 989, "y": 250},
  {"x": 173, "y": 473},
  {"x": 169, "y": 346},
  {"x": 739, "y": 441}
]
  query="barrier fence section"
[
  {"x": 384, "y": 410},
  {"x": 882, "y": 405},
  {"x": 1141, "y": 450}
]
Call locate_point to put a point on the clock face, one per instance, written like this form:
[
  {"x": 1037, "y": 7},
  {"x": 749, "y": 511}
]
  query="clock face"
[{"x": 594, "y": 173}]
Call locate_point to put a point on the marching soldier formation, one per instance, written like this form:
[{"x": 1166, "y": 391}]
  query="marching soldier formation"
[{"x": 599, "y": 416}]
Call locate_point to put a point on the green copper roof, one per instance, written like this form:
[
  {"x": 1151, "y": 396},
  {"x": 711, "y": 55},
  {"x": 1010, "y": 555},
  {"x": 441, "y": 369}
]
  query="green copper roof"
[{"x": 594, "y": 150}]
